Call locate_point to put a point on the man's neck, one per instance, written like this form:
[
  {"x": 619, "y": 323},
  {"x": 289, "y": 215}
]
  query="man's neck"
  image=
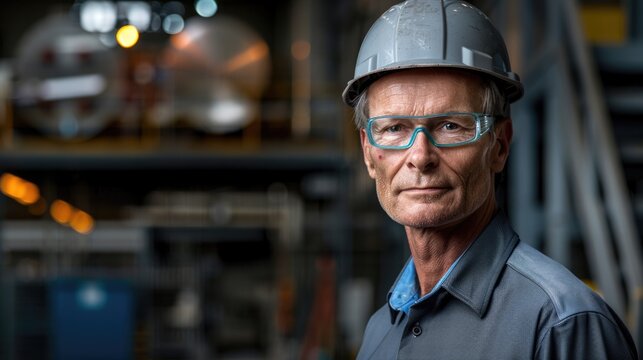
[{"x": 435, "y": 250}]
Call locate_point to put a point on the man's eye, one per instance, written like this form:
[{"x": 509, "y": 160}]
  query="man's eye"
[
  {"x": 394, "y": 128},
  {"x": 451, "y": 126}
]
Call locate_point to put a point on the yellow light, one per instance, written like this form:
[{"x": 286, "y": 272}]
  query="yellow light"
[
  {"x": 82, "y": 222},
  {"x": 61, "y": 211},
  {"x": 127, "y": 36}
]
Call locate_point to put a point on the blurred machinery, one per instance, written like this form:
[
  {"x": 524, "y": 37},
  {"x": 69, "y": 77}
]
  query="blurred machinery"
[
  {"x": 219, "y": 71},
  {"x": 67, "y": 79},
  {"x": 71, "y": 84},
  {"x": 189, "y": 276},
  {"x": 201, "y": 247}
]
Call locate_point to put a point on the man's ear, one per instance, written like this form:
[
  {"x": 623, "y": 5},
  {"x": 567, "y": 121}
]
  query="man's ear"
[
  {"x": 366, "y": 152},
  {"x": 504, "y": 134}
]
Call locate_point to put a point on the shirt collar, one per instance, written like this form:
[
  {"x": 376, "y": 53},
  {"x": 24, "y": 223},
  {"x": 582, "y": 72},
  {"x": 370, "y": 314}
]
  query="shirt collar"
[
  {"x": 475, "y": 277},
  {"x": 471, "y": 278},
  {"x": 406, "y": 291}
]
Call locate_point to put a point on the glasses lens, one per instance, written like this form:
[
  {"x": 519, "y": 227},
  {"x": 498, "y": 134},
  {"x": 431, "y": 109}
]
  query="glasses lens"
[
  {"x": 448, "y": 129},
  {"x": 452, "y": 129},
  {"x": 392, "y": 131}
]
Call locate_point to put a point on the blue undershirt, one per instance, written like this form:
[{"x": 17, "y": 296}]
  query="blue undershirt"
[{"x": 406, "y": 292}]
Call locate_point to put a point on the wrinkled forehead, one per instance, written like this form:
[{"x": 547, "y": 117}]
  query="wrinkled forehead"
[{"x": 425, "y": 91}]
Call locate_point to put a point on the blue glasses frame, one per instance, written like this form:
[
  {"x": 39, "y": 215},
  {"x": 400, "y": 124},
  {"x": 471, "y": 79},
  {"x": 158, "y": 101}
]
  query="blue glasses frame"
[{"x": 484, "y": 122}]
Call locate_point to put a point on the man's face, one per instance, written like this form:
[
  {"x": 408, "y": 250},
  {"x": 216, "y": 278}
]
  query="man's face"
[{"x": 425, "y": 186}]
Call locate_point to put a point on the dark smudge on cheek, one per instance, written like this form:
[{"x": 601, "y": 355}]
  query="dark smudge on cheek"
[{"x": 380, "y": 157}]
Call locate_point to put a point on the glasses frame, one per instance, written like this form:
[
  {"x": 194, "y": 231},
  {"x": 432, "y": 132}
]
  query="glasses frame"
[{"x": 484, "y": 122}]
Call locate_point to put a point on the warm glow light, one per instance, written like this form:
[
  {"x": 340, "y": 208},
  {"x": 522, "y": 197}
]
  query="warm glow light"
[
  {"x": 251, "y": 55},
  {"x": 20, "y": 190},
  {"x": 127, "y": 36},
  {"x": 65, "y": 214},
  {"x": 82, "y": 222},
  {"x": 12, "y": 185},
  {"x": 300, "y": 49},
  {"x": 31, "y": 194},
  {"x": 61, "y": 211},
  {"x": 184, "y": 39}
]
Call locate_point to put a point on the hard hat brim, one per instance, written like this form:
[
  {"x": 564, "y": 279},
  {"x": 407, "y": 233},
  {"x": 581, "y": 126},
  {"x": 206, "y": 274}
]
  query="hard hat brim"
[{"x": 510, "y": 85}]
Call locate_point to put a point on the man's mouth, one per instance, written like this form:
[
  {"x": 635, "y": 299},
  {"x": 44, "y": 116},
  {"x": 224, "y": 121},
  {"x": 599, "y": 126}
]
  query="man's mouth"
[{"x": 425, "y": 190}]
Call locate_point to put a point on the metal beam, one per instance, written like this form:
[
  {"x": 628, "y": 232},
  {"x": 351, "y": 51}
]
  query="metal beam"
[
  {"x": 619, "y": 208},
  {"x": 592, "y": 217}
]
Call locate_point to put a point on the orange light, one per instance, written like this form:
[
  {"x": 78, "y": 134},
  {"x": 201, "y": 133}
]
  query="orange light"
[
  {"x": 12, "y": 185},
  {"x": 5, "y": 182},
  {"x": 252, "y": 54},
  {"x": 61, "y": 211},
  {"x": 300, "y": 50},
  {"x": 186, "y": 38},
  {"x": 82, "y": 222},
  {"x": 20, "y": 190},
  {"x": 127, "y": 36},
  {"x": 31, "y": 194}
]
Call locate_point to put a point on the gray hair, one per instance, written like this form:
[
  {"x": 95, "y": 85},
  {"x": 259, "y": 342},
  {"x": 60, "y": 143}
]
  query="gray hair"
[{"x": 494, "y": 102}]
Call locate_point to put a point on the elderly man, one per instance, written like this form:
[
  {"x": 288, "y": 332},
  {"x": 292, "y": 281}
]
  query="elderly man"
[{"x": 431, "y": 93}]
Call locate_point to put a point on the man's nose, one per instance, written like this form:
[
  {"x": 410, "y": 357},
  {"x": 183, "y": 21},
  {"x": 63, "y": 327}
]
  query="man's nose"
[{"x": 422, "y": 153}]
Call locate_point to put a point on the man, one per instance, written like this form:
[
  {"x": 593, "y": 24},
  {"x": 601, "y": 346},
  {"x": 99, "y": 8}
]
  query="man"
[{"x": 432, "y": 89}]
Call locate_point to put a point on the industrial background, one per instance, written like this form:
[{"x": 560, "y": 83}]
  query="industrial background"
[{"x": 180, "y": 179}]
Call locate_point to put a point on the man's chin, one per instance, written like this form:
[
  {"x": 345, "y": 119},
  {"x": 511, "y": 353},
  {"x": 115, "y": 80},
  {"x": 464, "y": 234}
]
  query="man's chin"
[{"x": 425, "y": 217}]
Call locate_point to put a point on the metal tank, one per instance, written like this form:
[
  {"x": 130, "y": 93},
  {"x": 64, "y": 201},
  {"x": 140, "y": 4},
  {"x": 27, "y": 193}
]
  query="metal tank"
[{"x": 219, "y": 68}]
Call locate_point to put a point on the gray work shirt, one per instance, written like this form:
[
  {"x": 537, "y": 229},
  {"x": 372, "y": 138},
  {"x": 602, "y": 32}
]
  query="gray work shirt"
[{"x": 503, "y": 300}]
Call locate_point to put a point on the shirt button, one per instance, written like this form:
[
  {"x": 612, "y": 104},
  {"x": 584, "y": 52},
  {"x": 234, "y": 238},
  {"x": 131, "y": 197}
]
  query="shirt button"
[{"x": 416, "y": 330}]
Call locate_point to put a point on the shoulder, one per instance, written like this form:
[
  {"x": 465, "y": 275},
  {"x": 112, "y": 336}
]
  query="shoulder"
[
  {"x": 579, "y": 321},
  {"x": 566, "y": 293},
  {"x": 586, "y": 335}
]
